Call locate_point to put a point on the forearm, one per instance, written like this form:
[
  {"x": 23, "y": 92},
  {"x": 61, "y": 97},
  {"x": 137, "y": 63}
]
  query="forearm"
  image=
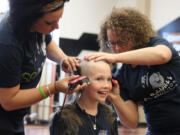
[
  {"x": 14, "y": 98},
  {"x": 145, "y": 56},
  {"x": 54, "y": 53},
  {"x": 127, "y": 112},
  {"x": 27, "y": 97}
]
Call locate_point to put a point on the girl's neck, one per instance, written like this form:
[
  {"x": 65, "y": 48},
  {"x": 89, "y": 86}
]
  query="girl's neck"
[{"x": 89, "y": 106}]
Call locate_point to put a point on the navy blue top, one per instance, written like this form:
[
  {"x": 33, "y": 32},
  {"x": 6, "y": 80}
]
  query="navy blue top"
[
  {"x": 157, "y": 88},
  {"x": 21, "y": 62},
  {"x": 63, "y": 124}
]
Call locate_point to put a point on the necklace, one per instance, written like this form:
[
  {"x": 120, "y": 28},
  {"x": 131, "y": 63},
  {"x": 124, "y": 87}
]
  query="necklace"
[{"x": 93, "y": 123}]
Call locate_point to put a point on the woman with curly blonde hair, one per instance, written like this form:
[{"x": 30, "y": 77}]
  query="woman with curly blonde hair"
[
  {"x": 150, "y": 74},
  {"x": 128, "y": 27}
]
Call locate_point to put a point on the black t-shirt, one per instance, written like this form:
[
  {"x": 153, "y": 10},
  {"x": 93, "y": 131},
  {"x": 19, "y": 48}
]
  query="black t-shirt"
[
  {"x": 157, "y": 88},
  {"x": 69, "y": 124},
  {"x": 21, "y": 62}
]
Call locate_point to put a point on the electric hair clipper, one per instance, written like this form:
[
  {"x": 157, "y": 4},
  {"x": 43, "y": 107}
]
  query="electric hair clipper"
[{"x": 80, "y": 80}]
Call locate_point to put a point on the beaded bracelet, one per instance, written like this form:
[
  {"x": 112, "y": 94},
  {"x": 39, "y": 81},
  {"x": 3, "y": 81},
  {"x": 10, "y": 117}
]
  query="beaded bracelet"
[
  {"x": 49, "y": 91},
  {"x": 42, "y": 92}
]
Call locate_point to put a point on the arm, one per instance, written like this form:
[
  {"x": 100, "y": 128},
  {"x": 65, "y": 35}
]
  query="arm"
[
  {"x": 14, "y": 98},
  {"x": 127, "y": 110},
  {"x": 159, "y": 54},
  {"x": 55, "y": 53}
]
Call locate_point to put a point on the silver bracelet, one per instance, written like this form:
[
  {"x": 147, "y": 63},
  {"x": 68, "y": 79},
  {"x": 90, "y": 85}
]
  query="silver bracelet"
[{"x": 49, "y": 91}]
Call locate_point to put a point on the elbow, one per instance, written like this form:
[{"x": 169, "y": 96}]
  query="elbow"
[
  {"x": 7, "y": 107},
  {"x": 162, "y": 54},
  {"x": 165, "y": 58},
  {"x": 132, "y": 124}
]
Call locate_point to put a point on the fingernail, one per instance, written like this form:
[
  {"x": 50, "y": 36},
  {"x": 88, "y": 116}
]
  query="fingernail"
[
  {"x": 85, "y": 58},
  {"x": 113, "y": 80},
  {"x": 94, "y": 60}
]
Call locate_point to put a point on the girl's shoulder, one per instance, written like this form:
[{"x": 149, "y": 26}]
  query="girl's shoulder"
[
  {"x": 65, "y": 121},
  {"x": 69, "y": 114},
  {"x": 108, "y": 111}
]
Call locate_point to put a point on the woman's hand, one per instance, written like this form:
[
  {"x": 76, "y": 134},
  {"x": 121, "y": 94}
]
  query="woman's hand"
[
  {"x": 69, "y": 64},
  {"x": 115, "y": 92},
  {"x": 110, "y": 58},
  {"x": 127, "y": 110},
  {"x": 62, "y": 85}
]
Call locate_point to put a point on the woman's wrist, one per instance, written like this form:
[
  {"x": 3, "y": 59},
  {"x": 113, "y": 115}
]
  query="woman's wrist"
[
  {"x": 42, "y": 91},
  {"x": 116, "y": 58},
  {"x": 52, "y": 88},
  {"x": 55, "y": 87},
  {"x": 114, "y": 98},
  {"x": 45, "y": 91},
  {"x": 48, "y": 90}
]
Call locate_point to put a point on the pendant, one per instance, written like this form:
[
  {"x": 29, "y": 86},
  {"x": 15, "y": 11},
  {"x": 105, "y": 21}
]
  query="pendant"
[{"x": 94, "y": 126}]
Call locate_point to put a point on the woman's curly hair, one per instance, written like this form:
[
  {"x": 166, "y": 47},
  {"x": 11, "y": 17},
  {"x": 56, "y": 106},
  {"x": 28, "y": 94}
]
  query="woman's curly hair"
[{"x": 129, "y": 25}]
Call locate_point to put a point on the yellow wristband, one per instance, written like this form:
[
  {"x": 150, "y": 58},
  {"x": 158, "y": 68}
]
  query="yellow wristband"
[{"x": 42, "y": 92}]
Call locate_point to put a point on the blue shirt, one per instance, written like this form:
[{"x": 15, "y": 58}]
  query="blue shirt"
[
  {"x": 157, "y": 87},
  {"x": 21, "y": 62}
]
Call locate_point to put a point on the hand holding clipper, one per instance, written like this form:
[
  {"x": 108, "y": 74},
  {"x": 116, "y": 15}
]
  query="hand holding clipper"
[{"x": 78, "y": 81}]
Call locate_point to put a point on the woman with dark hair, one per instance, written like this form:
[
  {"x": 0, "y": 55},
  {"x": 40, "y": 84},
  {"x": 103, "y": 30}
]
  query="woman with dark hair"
[
  {"x": 149, "y": 76},
  {"x": 25, "y": 42}
]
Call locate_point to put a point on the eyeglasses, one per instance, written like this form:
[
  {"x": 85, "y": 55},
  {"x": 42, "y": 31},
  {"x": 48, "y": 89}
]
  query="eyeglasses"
[{"x": 113, "y": 44}]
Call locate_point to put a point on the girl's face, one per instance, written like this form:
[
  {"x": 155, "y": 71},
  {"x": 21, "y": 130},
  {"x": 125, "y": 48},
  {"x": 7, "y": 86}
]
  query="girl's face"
[
  {"x": 100, "y": 77},
  {"x": 115, "y": 44},
  {"x": 47, "y": 23}
]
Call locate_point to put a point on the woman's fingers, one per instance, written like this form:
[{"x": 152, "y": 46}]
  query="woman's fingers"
[
  {"x": 70, "y": 64},
  {"x": 115, "y": 88},
  {"x": 73, "y": 77},
  {"x": 78, "y": 87},
  {"x": 92, "y": 56},
  {"x": 99, "y": 56},
  {"x": 115, "y": 83},
  {"x": 62, "y": 85}
]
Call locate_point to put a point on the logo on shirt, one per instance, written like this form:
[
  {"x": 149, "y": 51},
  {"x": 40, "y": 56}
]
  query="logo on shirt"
[
  {"x": 27, "y": 77},
  {"x": 159, "y": 84}
]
